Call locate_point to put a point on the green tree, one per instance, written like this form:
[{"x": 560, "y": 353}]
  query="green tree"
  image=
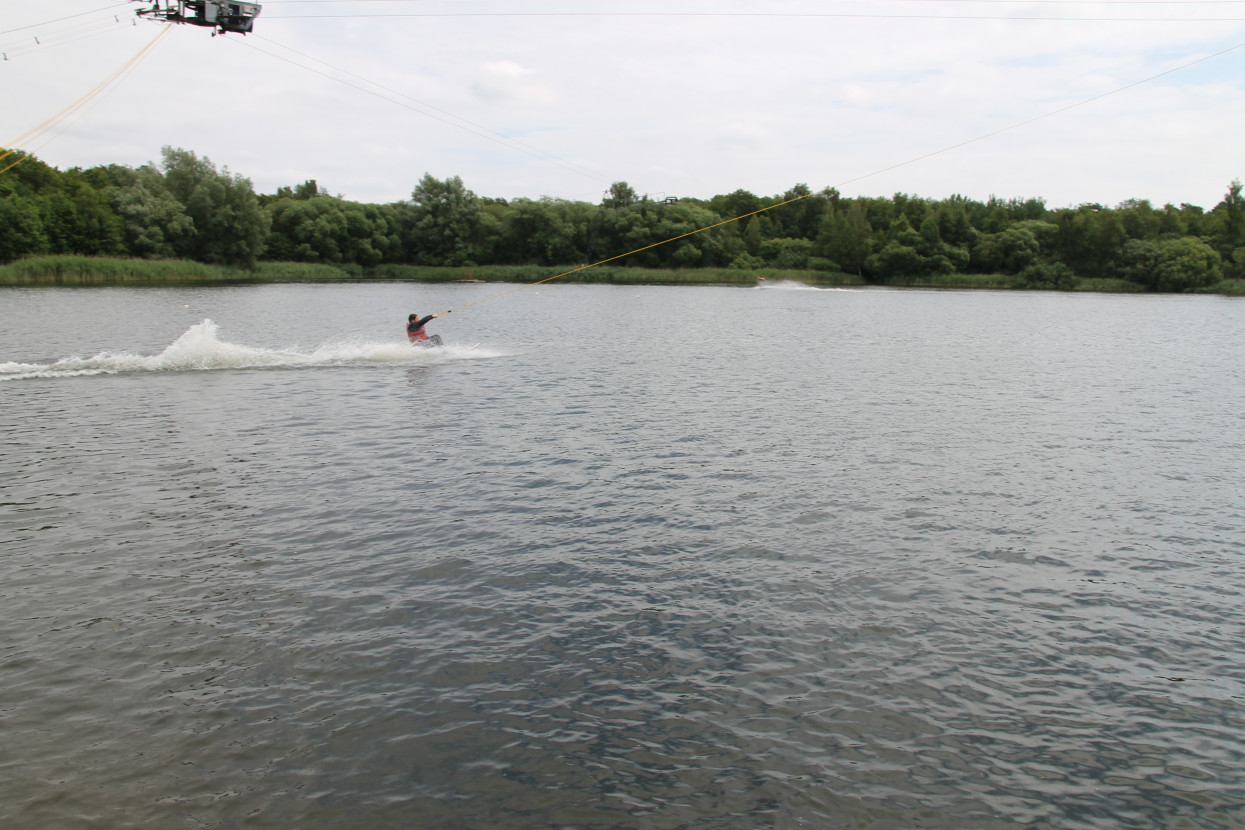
[
  {"x": 1171, "y": 265},
  {"x": 230, "y": 227},
  {"x": 155, "y": 224},
  {"x": 74, "y": 214},
  {"x": 752, "y": 236},
  {"x": 620, "y": 195},
  {"x": 801, "y": 216},
  {"x": 941, "y": 257},
  {"x": 1139, "y": 218},
  {"x": 21, "y": 229},
  {"x": 909, "y": 252},
  {"x": 446, "y": 222},
  {"x": 105, "y": 177},
  {"x": 1230, "y": 234},
  {"x": 1194, "y": 218},
  {"x": 845, "y": 236},
  {"x": 27, "y": 177},
  {"x": 306, "y": 230},
  {"x": 643, "y": 229},
  {"x": 1090, "y": 240},
  {"x": 673, "y": 221},
  {"x": 308, "y": 190},
  {"x": 723, "y": 246},
  {"x": 954, "y": 226},
  {"x": 788, "y": 254},
  {"x": 546, "y": 231},
  {"x": 1007, "y": 252},
  {"x": 1172, "y": 223},
  {"x": 746, "y": 262},
  {"x": 912, "y": 208},
  {"x": 1046, "y": 233},
  {"x": 79, "y": 219},
  {"x": 686, "y": 255},
  {"x": 895, "y": 260},
  {"x": 734, "y": 205},
  {"x": 328, "y": 229},
  {"x": 1234, "y": 266},
  {"x": 1004, "y": 212}
]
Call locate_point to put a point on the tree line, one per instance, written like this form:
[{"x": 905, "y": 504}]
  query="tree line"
[{"x": 184, "y": 207}]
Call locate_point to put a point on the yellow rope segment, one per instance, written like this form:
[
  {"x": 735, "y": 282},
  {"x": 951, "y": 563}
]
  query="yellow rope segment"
[
  {"x": 629, "y": 253},
  {"x": 62, "y": 116}
]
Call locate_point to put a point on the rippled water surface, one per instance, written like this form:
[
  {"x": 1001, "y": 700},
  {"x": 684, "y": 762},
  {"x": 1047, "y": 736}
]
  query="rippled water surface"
[{"x": 621, "y": 558}]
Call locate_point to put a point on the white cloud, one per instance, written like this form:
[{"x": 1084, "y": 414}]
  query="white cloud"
[
  {"x": 857, "y": 95},
  {"x": 506, "y": 82},
  {"x": 745, "y": 136}
]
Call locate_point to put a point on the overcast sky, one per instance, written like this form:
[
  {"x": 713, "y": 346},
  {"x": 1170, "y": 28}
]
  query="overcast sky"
[{"x": 530, "y": 98}]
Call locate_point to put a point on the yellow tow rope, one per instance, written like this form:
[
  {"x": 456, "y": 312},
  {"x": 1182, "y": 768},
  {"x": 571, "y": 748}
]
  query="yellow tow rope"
[
  {"x": 79, "y": 106},
  {"x": 628, "y": 253}
]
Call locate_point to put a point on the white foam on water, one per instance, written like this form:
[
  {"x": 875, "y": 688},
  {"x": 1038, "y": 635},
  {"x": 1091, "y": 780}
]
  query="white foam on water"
[
  {"x": 200, "y": 349},
  {"x": 794, "y": 285}
]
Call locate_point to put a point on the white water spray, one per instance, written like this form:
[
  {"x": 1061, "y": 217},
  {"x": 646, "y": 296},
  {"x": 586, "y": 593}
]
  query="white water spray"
[
  {"x": 200, "y": 349},
  {"x": 794, "y": 285}
]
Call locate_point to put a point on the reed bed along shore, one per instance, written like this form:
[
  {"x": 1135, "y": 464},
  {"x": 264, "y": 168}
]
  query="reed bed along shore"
[
  {"x": 103, "y": 271},
  {"x": 80, "y": 270}
]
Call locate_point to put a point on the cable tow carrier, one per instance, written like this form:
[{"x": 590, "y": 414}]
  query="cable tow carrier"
[{"x": 219, "y": 15}]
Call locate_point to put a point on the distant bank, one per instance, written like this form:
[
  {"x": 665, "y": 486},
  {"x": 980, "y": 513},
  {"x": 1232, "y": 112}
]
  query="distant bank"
[{"x": 103, "y": 271}]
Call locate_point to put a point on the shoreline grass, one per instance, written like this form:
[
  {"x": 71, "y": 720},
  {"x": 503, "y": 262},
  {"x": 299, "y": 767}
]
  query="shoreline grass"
[
  {"x": 83, "y": 270},
  {"x": 106, "y": 271}
]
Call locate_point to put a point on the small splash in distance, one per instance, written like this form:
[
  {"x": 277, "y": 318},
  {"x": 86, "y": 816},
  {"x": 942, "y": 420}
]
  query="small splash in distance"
[
  {"x": 795, "y": 285},
  {"x": 199, "y": 349}
]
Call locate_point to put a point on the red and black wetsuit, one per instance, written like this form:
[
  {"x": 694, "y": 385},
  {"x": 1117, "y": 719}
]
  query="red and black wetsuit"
[{"x": 415, "y": 329}]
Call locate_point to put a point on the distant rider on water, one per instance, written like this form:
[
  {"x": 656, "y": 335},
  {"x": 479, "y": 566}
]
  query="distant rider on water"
[{"x": 416, "y": 334}]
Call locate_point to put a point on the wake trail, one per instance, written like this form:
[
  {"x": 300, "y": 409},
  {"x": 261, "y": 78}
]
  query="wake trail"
[
  {"x": 199, "y": 349},
  {"x": 792, "y": 285}
]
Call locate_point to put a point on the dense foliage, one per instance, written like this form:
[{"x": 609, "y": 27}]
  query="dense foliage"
[{"x": 185, "y": 208}]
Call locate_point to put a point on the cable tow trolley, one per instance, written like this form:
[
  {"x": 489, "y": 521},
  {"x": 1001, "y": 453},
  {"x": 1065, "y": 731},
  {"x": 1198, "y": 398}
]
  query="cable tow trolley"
[{"x": 219, "y": 15}]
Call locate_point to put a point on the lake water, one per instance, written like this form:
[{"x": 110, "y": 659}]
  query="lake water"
[{"x": 615, "y": 557}]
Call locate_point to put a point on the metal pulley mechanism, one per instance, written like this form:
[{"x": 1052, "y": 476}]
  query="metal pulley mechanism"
[{"x": 219, "y": 15}]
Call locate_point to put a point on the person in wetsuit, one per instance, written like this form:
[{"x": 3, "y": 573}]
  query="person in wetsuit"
[{"x": 416, "y": 334}]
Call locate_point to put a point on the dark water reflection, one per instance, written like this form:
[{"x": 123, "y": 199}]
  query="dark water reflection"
[{"x": 654, "y": 558}]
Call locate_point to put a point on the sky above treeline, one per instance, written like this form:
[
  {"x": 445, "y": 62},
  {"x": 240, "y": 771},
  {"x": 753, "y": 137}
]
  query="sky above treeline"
[{"x": 1063, "y": 100}]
